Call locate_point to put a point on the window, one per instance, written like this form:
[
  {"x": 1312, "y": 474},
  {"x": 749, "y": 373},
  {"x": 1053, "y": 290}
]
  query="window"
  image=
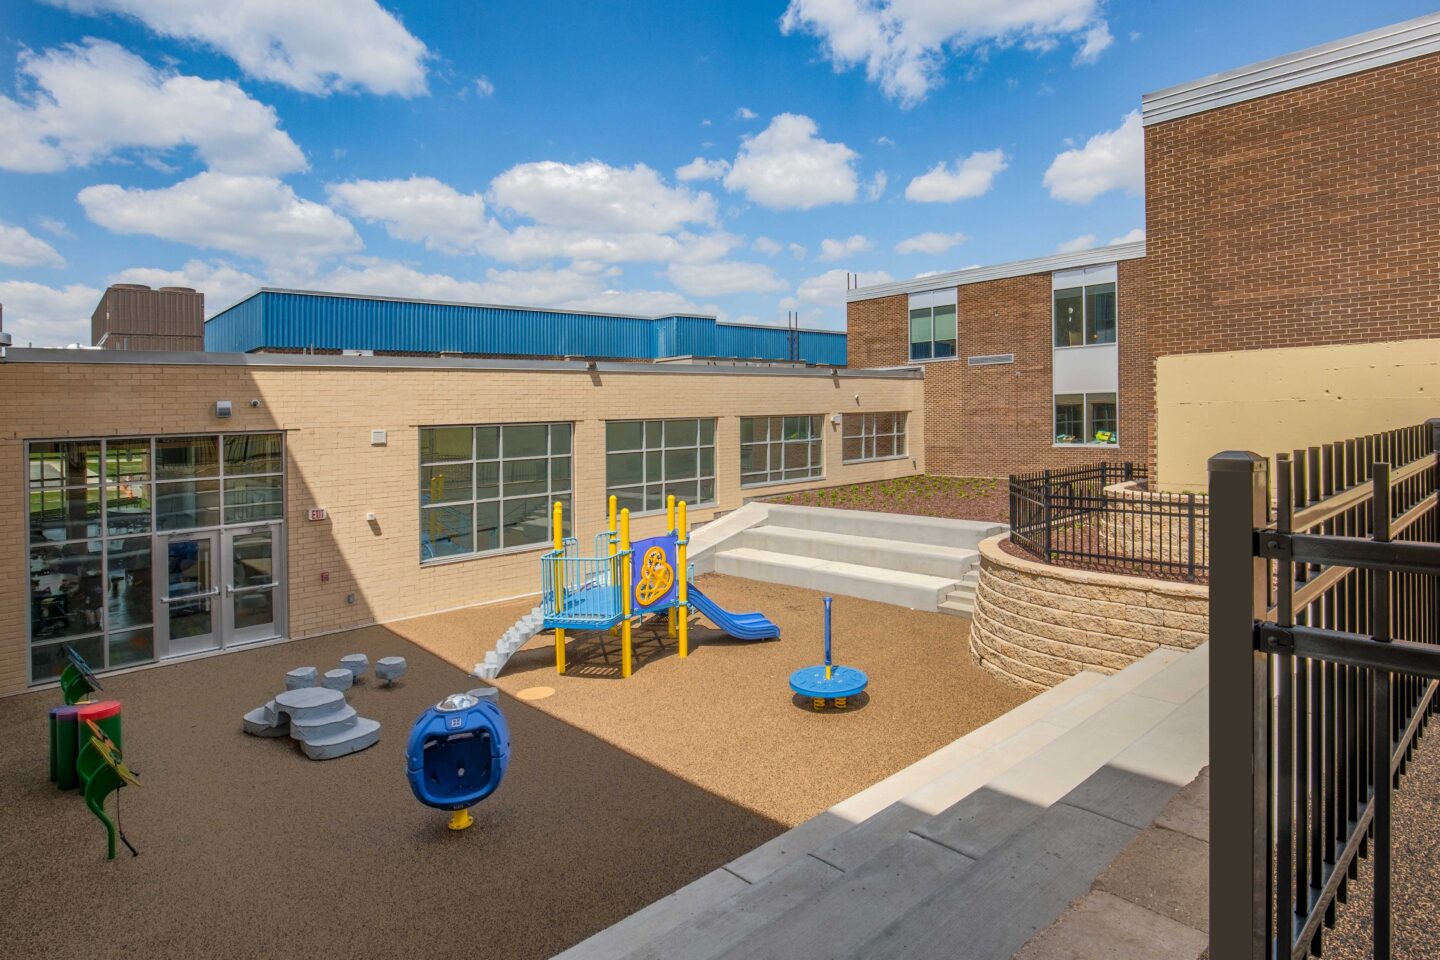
[
  {"x": 1086, "y": 418},
  {"x": 491, "y": 487},
  {"x": 777, "y": 449},
  {"x": 932, "y": 325},
  {"x": 93, "y": 508},
  {"x": 1085, "y": 315},
  {"x": 648, "y": 460},
  {"x": 873, "y": 436}
]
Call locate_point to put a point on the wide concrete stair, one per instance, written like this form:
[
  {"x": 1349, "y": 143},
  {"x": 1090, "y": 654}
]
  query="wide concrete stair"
[
  {"x": 964, "y": 854},
  {"x": 916, "y": 562}
]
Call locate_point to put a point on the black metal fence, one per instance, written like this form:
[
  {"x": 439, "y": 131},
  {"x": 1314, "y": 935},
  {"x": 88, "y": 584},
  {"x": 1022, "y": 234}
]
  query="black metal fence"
[
  {"x": 1324, "y": 661},
  {"x": 1067, "y": 517}
]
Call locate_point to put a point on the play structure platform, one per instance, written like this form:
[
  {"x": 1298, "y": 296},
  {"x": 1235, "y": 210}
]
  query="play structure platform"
[{"x": 623, "y": 583}]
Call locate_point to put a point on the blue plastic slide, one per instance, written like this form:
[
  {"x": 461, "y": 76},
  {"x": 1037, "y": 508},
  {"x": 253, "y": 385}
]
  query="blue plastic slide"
[{"x": 741, "y": 626}]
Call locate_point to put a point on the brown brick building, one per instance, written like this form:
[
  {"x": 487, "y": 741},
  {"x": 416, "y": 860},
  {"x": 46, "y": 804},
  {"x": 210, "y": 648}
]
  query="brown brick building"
[
  {"x": 132, "y": 316},
  {"x": 1290, "y": 205}
]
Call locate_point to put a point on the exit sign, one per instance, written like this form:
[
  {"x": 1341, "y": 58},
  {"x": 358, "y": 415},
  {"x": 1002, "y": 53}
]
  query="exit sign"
[{"x": 317, "y": 513}]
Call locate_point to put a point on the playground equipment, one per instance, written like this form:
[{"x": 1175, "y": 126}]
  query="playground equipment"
[
  {"x": 77, "y": 680},
  {"x": 318, "y": 717},
  {"x": 828, "y": 684},
  {"x": 457, "y": 754},
  {"x": 102, "y": 773},
  {"x": 626, "y": 581}
]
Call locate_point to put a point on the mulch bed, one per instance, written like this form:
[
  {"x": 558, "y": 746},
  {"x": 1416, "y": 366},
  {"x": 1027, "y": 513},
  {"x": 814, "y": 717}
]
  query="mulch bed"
[{"x": 928, "y": 495}]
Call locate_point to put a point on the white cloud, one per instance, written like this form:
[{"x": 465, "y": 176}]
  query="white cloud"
[
  {"x": 875, "y": 186},
  {"x": 721, "y": 277},
  {"x": 1083, "y": 242},
  {"x": 55, "y": 227},
  {"x": 884, "y": 141},
  {"x": 47, "y": 316},
  {"x": 1096, "y": 41},
  {"x": 595, "y": 195},
  {"x": 420, "y": 209},
  {"x": 835, "y": 249},
  {"x": 252, "y": 216},
  {"x": 797, "y": 250},
  {"x": 86, "y": 102},
  {"x": 1113, "y": 160},
  {"x": 483, "y": 87},
  {"x": 766, "y": 246},
  {"x": 21, "y": 248},
  {"x": 932, "y": 243},
  {"x": 578, "y": 201},
  {"x": 543, "y": 287},
  {"x": 828, "y": 288},
  {"x": 643, "y": 303},
  {"x": 787, "y": 166},
  {"x": 222, "y": 284},
  {"x": 745, "y": 113},
  {"x": 1133, "y": 236},
  {"x": 905, "y": 44},
  {"x": 702, "y": 169},
  {"x": 317, "y": 46},
  {"x": 972, "y": 176}
]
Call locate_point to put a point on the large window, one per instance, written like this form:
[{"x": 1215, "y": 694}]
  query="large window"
[
  {"x": 1085, "y": 315},
  {"x": 873, "y": 436},
  {"x": 488, "y": 488},
  {"x": 93, "y": 508},
  {"x": 932, "y": 325},
  {"x": 648, "y": 460},
  {"x": 778, "y": 449},
  {"x": 1086, "y": 418}
]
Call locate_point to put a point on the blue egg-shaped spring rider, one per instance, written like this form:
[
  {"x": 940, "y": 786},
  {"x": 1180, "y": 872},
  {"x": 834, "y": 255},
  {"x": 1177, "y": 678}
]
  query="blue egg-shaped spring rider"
[
  {"x": 828, "y": 683},
  {"x": 457, "y": 755}
]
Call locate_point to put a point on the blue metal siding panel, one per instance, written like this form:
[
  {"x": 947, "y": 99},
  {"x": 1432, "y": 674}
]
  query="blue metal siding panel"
[{"x": 298, "y": 321}]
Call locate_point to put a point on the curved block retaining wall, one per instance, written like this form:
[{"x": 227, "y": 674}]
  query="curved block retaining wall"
[{"x": 1035, "y": 624}]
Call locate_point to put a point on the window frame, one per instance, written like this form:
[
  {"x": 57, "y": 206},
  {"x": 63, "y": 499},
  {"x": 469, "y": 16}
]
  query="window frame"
[
  {"x": 1086, "y": 324},
  {"x": 869, "y": 431},
  {"x": 102, "y": 483},
  {"x": 1087, "y": 419},
  {"x": 474, "y": 502},
  {"x": 645, "y": 450},
  {"x": 929, "y": 301},
  {"x": 814, "y": 445}
]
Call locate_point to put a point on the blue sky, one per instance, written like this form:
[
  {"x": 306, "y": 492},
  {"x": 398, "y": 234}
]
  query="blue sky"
[{"x": 727, "y": 157}]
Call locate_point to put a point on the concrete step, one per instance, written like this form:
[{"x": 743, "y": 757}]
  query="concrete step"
[
  {"x": 935, "y": 531},
  {"x": 937, "y": 561},
  {"x": 892, "y": 861},
  {"x": 794, "y": 845},
  {"x": 917, "y": 591},
  {"x": 364, "y": 733},
  {"x": 957, "y": 608}
]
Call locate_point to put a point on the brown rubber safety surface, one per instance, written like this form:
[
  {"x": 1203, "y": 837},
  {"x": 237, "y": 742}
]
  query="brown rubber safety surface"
[{"x": 618, "y": 793}]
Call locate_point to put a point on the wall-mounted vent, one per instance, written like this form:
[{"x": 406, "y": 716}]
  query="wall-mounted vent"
[{"x": 990, "y": 359}]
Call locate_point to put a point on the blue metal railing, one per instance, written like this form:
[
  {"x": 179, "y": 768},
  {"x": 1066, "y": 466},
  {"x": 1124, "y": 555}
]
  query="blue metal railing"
[{"x": 590, "y": 592}]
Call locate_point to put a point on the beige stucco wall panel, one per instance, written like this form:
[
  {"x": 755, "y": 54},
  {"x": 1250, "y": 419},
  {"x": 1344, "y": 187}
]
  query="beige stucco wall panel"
[{"x": 1284, "y": 399}]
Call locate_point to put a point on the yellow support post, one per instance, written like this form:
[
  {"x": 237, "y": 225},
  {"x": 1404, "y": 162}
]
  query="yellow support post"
[
  {"x": 670, "y": 528},
  {"x": 683, "y": 606},
  {"x": 559, "y": 583},
  {"x": 625, "y": 561}
]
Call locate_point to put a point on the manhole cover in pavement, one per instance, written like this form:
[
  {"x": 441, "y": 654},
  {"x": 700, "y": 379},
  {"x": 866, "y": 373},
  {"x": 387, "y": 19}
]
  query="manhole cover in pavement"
[{"x": 535, "y": 693}]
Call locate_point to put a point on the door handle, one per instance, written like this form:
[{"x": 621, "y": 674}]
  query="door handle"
[
  {"x": 231, "y": 588},
  {"x": 191, "y": 596}
]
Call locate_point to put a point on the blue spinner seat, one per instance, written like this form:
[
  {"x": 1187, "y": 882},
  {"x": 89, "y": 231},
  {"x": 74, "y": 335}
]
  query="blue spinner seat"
[{"x": 458, "y": 752}]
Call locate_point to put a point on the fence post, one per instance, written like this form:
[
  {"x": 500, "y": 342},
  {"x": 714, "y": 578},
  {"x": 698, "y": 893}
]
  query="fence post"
[
  {"x": 1045, "y": 512},
  {"x": 1190, "y": 537},
  {"x": 1239, "y": 710}
]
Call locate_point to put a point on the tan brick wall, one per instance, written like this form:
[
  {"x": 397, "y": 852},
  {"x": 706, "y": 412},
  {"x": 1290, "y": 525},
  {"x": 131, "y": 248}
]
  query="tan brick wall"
[
  {"x": 992, "y": 421},
  {"x": 327, "y": 415},
  {"x": 1307, "y": 217},
  {"x": 1034, "y": 624}
]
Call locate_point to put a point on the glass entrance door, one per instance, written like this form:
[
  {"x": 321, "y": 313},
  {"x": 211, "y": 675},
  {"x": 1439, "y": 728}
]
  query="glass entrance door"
[
  {"x": 189, "y": 590},
  {"x": 253, "y": 598}
]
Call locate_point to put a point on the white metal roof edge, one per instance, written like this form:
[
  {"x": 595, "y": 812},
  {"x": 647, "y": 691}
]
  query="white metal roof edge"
[
  {"x": 1000, "y": 271},
  {"x": 1338, "y": 58}
]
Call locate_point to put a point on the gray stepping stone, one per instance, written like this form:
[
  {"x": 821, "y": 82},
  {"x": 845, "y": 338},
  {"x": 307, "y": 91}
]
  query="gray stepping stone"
[
  {"x": 390, "y": 669},
  {"x": 485, "y": 693},
  {"x": 338, "y": 679},
  {"x": 308, "y": 702},
  {"x": 301, "y": 677},
  {"x": 263, "y": 722},
  {"x": 356, "y": 663},
  {"x": 364, "y": 733}
]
